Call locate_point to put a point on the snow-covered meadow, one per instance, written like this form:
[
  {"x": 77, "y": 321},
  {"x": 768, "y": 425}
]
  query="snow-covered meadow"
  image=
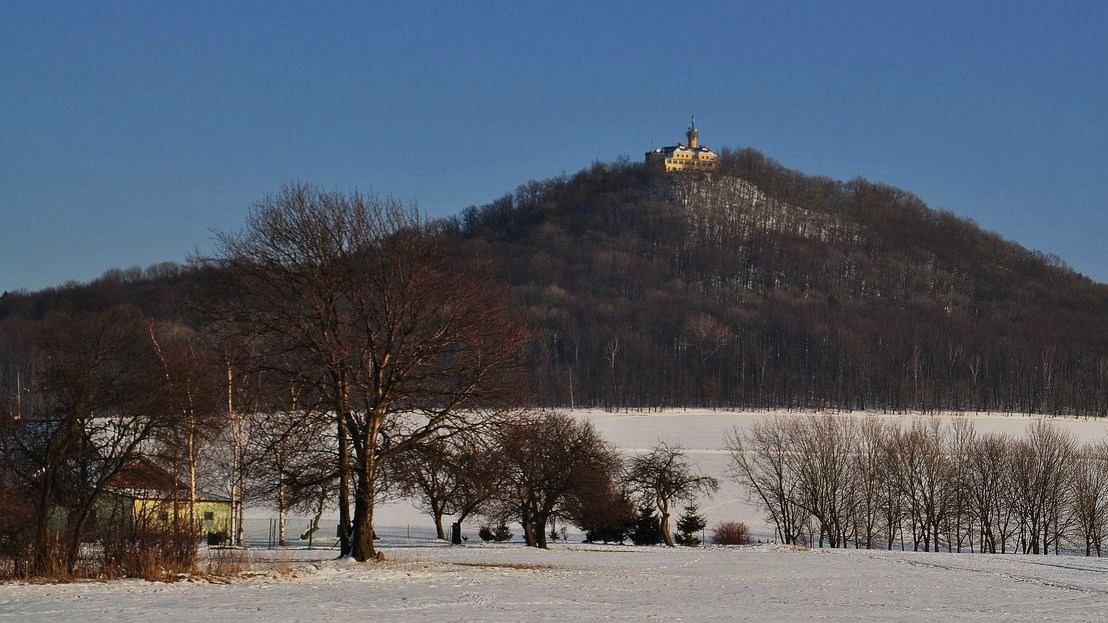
[
  {"x": 703, "y": 434},
  {"x": 593, "y": 583},
  {"x": 427, "y": 581}
]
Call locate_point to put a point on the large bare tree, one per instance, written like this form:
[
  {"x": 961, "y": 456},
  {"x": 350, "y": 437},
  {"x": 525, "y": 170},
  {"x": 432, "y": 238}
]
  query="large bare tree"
[
  {"x": 1090, "y": 496},
  {"x": 548, "y": 460},
  {"x": 402, "y": 340}
]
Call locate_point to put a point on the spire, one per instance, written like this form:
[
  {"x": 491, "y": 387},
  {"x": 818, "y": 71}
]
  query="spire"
[{"x": 692, "y": 134}]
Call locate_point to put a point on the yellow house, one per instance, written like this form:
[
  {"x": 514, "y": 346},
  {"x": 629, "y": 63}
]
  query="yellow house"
[
  {"x": 148, "y": 495},
  {"x": 680, "y": 157}
]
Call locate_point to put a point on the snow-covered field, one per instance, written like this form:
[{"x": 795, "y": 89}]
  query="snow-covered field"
[
  {"x": 702, "y": 433},
  {"x": 427, "y": 581},
  {"x": 585, "y": 583}
]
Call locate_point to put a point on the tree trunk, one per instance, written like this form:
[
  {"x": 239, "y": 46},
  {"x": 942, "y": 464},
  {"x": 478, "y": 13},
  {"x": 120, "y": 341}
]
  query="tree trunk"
[
  {"x": 439, "y": 533},
  {"x": 362, "y": 538},
  {"x": 193, "y": 460},
  {"x": 42, "y": 544},
  {"x": 362, "y": 546},
  {"x": 538, "y": 528},
  {"x": 240, "y": 527},
  {"x": 345, "y": 545},
  {"x": 76, "y": 529},
  {"x": 282, "y": 512},
  {"x": 666, "y": 535}
]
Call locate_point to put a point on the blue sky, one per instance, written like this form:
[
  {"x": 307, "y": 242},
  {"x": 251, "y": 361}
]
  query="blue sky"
[{"x": 129, "y": 131}]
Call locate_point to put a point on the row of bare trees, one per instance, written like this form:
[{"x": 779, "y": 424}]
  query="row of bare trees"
[{"x": 871, "y": 483}]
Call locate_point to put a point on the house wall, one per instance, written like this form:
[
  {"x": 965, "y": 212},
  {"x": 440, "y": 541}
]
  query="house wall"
[{"x": 211, "y": 515}]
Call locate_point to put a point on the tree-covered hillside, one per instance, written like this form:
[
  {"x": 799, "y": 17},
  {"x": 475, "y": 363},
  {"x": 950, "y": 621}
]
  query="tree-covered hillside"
[{"x": 761, "y": 286}]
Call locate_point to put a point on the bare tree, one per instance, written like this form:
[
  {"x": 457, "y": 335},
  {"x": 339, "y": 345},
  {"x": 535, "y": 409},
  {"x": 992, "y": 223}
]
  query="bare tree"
[
  {"x": 1090, "y": 496},
  {"x": 401, "y": 340},
  {"x": 548, "y": 460},
  {"x": 443, "y": 478},
  {"x": 290, "y": 457},
  {"x": 191, "y": 397},
  {"x": 959, "y": 520},
  {"x": 1054, "y": 452},
  {"x": 922, "y": 471},
  {"x": 891, "y": 503},
  {"x": 825, "y": 486},
  {"x": 285, "y": 280},
  {"x": 869, "y": 475},
  {"x": 663, "y": 478},
  {"x": 986, "y": 473},
  {"x": 1023, "y": 496},
  {"x": 761, "y": 460},
  {"x": 478, "y": 467}
]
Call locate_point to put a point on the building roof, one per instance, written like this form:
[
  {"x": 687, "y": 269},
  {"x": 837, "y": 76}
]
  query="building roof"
[
  {"x": 145, "y": 478},
  {"x": 673, "y": 148},
  {"x": 146, "y": 475}
]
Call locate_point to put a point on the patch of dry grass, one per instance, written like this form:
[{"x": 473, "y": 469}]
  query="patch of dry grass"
[{"x": 225, "y": 562}]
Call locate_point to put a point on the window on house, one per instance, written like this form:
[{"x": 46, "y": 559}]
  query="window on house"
[{"x": 209, "y": 516}]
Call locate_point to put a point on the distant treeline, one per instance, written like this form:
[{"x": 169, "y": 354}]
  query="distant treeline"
[{"x": 756, "y": 287}]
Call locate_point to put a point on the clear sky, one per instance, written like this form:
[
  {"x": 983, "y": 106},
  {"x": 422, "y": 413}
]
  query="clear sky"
[{"x": 129, "y": 131}]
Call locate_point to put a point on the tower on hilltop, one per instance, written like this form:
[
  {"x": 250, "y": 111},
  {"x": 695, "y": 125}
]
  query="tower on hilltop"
[
  {"x": 679, "y": 157},
  {"x": 692, "y": 134}
]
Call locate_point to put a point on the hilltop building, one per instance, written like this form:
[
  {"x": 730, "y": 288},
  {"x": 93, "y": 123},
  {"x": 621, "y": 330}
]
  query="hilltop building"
[{"x": 691, "y": 157}]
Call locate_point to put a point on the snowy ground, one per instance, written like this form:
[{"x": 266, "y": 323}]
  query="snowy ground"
[
  {"x": 583, "y": 583},
  {"x": 427, "y": 581}
]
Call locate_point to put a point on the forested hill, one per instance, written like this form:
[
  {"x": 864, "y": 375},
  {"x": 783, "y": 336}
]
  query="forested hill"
[
  {"x": 761, "y": 286},
  {"x": 757, "y": 286}
]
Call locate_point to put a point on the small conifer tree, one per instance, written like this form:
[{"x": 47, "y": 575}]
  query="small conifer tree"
[{"x": 689, "y": 525}]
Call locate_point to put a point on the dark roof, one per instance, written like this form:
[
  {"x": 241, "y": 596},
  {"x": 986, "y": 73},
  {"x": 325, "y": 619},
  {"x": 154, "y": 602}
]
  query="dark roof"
[
  {"x": 144, "y": 474},
  {"x": 144, "y": 478}
]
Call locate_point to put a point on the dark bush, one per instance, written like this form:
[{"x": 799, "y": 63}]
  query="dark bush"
[
  {"x": 607, "y": 516},
  {"x": 731, "y": 533}
]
